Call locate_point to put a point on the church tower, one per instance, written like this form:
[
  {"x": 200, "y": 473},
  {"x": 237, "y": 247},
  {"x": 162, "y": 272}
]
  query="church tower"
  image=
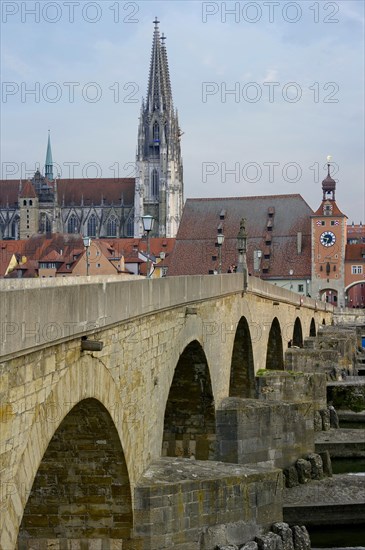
[
  {"x": 159, "y": 178},
  {"x": 28, "y": 211},
  {"x": 328, "y": 247}
]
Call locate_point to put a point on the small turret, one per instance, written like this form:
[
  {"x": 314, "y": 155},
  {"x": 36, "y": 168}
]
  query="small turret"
[
  {"x": 49, "y": 162},
  {"x": 328, "y": 184}
]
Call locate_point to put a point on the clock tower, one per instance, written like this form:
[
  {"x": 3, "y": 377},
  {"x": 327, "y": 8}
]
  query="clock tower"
[{"x": 328, "y": 247}]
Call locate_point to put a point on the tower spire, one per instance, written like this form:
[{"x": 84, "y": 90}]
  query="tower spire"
[
  {"x": 159, "y": 183},
  {"x": 329, "y": 184},
  {"x": 49, "y": 162},
  {"x": 159, "y": 96}
]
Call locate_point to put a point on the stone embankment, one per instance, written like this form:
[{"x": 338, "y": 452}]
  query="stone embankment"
[{"x": 281, "y": 537}]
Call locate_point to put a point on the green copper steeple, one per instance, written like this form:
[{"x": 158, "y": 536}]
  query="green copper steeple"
[{"x": 49, "y": 162}]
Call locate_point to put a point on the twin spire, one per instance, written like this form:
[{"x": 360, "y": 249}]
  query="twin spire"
[{"x": 159, "y": 96}]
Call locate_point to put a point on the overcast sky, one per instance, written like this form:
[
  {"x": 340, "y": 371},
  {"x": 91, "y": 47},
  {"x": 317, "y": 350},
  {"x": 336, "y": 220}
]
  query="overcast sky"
[{"x": 295, "y": 71}]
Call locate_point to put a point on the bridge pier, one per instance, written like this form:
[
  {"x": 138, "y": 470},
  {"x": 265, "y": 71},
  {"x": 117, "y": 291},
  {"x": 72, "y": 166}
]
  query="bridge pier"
[{"x": 195, "y": 505}]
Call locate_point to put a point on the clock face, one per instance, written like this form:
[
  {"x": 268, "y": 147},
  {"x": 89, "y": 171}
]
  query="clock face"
[{"x": 328, "y": 238}]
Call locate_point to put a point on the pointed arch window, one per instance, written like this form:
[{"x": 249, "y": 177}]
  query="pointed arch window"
[
  {"x": 156, "y": 132},
  {"x": 45, "y": 224},
  {"x": 155, "y": 182},
  {"x": 14, "y": 229},
  {"x": 72, "y": 225},
  {"x": 111, "y": 227},
  {"x": 91, "y": 226},
  {"x": 130, "y": 227}
]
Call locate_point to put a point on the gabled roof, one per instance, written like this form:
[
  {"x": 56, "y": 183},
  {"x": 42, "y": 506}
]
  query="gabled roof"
[
  {"x": 196, "y": 250},
  {"x": 28, "y": 191},
  {"x": 335, "y": 209}
]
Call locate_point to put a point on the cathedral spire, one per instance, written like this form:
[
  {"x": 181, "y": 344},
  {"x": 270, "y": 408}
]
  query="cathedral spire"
[
  {"x": 159, "y": 184},
  {"x": 49, "y": 162},
  {"x": 159, "y": 96}
]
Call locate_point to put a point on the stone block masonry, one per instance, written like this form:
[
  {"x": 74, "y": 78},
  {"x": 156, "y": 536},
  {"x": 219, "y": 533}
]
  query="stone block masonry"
[
  {"x": 293, "y": 387},
  {"x": 252, "y": 431},
  {"x": 195, "y": 505}
]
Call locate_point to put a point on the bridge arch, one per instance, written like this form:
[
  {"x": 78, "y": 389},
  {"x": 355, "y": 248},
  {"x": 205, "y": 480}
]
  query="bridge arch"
[
  {"x": 242, "y": 377},
  {"x": 274, "y": 351},
  {"x": 81, "y": 489},
  {"x": 312, "y": 328},
  {"x": 298, "y": 333},
  {"x": 189, "y": 421},
  {"x": 355, "y": 294},
  {"x": 86, "y": 378}
]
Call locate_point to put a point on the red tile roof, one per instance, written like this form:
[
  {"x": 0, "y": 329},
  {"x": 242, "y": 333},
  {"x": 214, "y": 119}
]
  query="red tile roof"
[
  {"x": 196, "y": 251},
  {"x": 9, "y": 193},
  {"x": 28, "y": 191},
  {"x": 95, "y": 191},
  {"x": 67, "y": 249}
]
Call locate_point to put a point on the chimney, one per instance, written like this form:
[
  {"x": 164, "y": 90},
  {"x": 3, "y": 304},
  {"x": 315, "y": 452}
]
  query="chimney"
[{"x": 299, "y": 242}]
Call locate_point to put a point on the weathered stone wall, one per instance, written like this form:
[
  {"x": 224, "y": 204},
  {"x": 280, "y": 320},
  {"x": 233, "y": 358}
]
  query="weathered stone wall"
[
  {"x": 196, "y": 505},
  {"x": 82, "y": 488},
  {"x": 349, "y": 316},
  {"x": 251, "y": 431},
  {"x": 311, "y": 360},
  {"x": 293, "y": 387}
]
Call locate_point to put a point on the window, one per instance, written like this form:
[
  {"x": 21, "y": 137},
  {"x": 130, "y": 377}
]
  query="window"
[
  {"x": 45, "y": 224},
  {"x": 130, "y": 227},
  {"x": 14, "y": 231},
  {"x": 91, "y": 226},
  {"x": 156, "y": 132},
  {"x": 72, "y": 224},
  {"x": 30, "y": 202},
  {"x": 155, "y": 180},
  {"x": 300, "y": 288},
  {"x": 98, "y": 265},
  {"x": 356, "y": 269},
  {"x": 111, "y": 228}
]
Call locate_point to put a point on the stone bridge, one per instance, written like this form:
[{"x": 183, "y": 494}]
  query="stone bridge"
[{"x": 81, "y": 426}]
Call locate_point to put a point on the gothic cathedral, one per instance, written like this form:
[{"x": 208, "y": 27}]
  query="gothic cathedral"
[{"x": 109, "y": 207}]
